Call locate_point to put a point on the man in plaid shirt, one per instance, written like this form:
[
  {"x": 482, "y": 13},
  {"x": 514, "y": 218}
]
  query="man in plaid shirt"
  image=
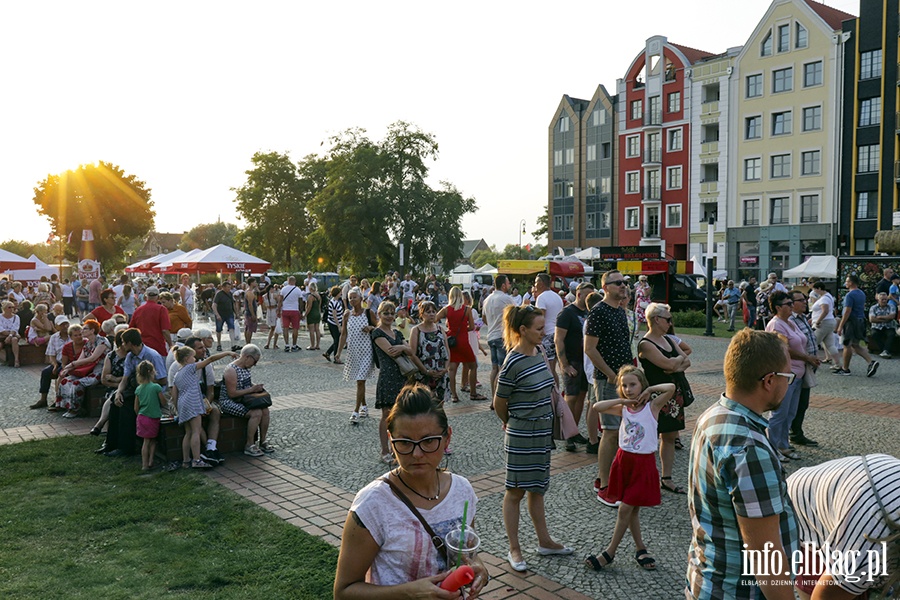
[{"x": 742, "y": 519}]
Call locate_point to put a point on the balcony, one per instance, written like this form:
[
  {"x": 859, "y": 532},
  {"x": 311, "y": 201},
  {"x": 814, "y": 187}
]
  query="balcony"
[
  {"x": 652, "y": 194},
  {"x": 652, "y": 158},
  {"x": 709, "y": 108},
  {"x": 653, "y": 120},
  {"x": 651, "y": 232},
  {"x": 709, "y": 187},
  {"x": 709, "y": 147}
]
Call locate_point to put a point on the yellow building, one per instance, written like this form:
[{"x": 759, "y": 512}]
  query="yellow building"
[{"x": 785, "y": 139}]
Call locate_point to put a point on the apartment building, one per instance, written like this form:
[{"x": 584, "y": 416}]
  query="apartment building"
[
  {"x": 582, "y": 172},
  {"x": 786, "y": 107},
  {"x": 654, "y": 147},
  {"x": 871, "y": 122}
]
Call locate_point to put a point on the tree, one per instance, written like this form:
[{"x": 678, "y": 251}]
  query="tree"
[
  {"x": 100, "y": 197},
  {"x": 483, "y": 257},
  {"x": 273, "y": 203},
  {"x": 45, "y": 252},
  {"x": 514, "y": 252},
  {"x": 543, "y": 224},
  {"x": 207, "y": 235}
]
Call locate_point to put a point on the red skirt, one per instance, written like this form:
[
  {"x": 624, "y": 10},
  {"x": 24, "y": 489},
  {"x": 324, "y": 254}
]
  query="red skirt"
[{"x": 634, "y": 479}]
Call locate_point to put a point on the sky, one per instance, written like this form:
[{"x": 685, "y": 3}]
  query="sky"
[{"x": 182, "y": 94}]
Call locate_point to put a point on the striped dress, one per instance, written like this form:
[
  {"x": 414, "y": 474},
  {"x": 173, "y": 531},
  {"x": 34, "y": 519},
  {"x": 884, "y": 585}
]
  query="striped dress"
[{"x": 526, "y": 382}]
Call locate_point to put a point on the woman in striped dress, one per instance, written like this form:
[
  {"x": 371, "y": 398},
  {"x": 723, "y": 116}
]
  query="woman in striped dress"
[{"x": 523, "y": 404}]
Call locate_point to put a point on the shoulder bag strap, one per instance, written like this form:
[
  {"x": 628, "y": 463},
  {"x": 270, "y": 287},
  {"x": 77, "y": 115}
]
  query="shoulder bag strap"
[
  {"x": 463, "y": 321},
  {"x": 435, "y": 538}
]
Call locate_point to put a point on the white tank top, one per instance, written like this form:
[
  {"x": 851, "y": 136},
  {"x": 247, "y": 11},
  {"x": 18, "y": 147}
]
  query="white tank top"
[{"x": 638, "y": 431}]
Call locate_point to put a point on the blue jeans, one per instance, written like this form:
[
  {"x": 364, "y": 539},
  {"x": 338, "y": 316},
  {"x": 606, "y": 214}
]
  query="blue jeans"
[
  {"x": 780, "y": 421},
  {"x": 751, "y": 308},
  {"x": 498, "y": 352},
  {"x": 732, "y": 313}
]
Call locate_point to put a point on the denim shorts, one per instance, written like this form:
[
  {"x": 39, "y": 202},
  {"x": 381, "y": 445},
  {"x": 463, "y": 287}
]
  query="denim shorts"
[
  {"x": 221, "y": 322},
  {"x": 498, "y": 351},
  {"x": 607, "y": 391}
]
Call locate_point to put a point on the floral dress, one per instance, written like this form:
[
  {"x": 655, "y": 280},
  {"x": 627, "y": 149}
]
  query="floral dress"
[
  {"x": 641, "y": 301},
  {"x": 432, "y": 351},
  {"x": 359, "y": 365},
  {"x": 71, "y": 389}
]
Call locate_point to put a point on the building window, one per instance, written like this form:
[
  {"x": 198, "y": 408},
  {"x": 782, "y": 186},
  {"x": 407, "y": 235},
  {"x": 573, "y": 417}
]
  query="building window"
[
  {"x": 653, "y": 185},
  {"x": 637, "y": 109},
  {"x": 866, "y": 205},
  {"x": 564, "y": 219},
  {"x": 674, "y": 140},
  {"x": 592, "y": 152},
  {"x": 674, "y": 102},
  {"x": 559, "y": 189},
  {"x": 781, "y": 123},
  {"x": 811, "y": 162},
  {"x": 591, "y": 185},
  {"x": 751, "y": 212},
  {"x": 652, "y": 222},
  {"x": 781, "y": 166},
  {"x": 632, "y": 146},
  {"x": 812, "y": 74},
  {"x": 673, "y": 178},
  {"x": 598, "y": 117},
  {"x": 633, "y": 182},
  {"x": 754, "y": 85},
  {"x": 655, "y": 110},
  {"x": 654, "y": 148},
  {"x": 563, "y": 124},
  {"x": 765, "y": 49},
  {"x": 606, "y": 150},
  {"x": 865, "y": 246},
  {"x": 753, "y": 128},
  {"x": 752, "y": 169},
  {"x": 812, "y": 118},
  {"x": 570, "y": 156},
  {"x": 784, "y": 38},
  {"x": 809, "y": 209},
  {"x": 801, "y": 36},
  {"x": 870, "y": 112},
  {"x": 632, "y": 218},
  {"x": 870, "y": 64},
  {"x": 673, "y": 216},
  {"x": 606, "y": 185},
  {"x": 781, "y": 211},
  {"x": 557, "y": 158},
  {"x": 868, "y": 158},
  {"x": 783, "y": 80}
]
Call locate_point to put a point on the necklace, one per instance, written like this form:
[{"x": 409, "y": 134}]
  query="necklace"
[{"x": 406, "y": 485}]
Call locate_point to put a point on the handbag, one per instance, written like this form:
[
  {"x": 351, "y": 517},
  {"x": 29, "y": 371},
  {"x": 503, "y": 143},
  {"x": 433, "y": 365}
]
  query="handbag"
[
  {"x": 83, "y": 371},
  {"x": 684, "y": 388},
  {"x": 435, "y": 538},
  {"x": 407, "y": 367},
  {"x": 564, "y": 425},
  {"x": 257, "y": 401},
  {"x": 809, "y": 377},
  {"x": 452, "y": 339}
]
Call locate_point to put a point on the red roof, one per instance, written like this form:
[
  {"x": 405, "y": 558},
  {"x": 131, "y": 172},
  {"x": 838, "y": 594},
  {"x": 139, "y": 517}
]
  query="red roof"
[
  {"x": 830, "y": 15},
  {"x": 692, "y": 54}
]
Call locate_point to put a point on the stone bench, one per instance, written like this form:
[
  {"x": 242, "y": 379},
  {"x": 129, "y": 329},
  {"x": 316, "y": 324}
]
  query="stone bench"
[
  {"x": 232, "y": 435},
  {"x": 29, "y": 354}
]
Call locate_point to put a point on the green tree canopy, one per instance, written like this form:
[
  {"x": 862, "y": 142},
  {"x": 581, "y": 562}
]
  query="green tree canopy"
[
  {"x": 273, "y": 204},
  {"x": 100, "y": 197},
  {"x": 483, "y": 257},
  {"x": 45, "y": 252},
  {"x": 207, "y": 235},
  {"x": 543, "y": 223}
]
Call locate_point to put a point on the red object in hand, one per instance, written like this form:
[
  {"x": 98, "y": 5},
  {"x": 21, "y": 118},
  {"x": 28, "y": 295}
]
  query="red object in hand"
[{"x": 464, "y": 575}]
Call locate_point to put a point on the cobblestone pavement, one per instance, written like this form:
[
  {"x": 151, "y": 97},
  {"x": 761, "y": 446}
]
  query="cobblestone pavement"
[{"x": 322, "y": 460}]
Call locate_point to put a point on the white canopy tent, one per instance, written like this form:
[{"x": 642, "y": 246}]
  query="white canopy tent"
[
  {"x": 814, "y": 266},
  {"x": 591, "y": 253}
]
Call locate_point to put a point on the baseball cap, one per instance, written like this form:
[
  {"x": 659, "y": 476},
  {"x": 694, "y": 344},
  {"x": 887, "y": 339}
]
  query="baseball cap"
[
  {"x": 61, "y": 319},
  {"x": 152, "y": 291},
  {"x": 184, "y": 333}
]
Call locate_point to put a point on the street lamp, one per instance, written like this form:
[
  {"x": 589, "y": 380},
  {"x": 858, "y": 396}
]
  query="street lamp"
[{"x": 521, "y": 231}]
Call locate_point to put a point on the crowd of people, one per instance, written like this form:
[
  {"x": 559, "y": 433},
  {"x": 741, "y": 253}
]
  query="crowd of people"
[{"x": 612, "y": 354}]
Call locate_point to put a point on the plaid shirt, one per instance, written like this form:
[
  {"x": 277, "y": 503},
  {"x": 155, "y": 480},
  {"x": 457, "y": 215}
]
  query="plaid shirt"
[
  {"x": 734, "y": 472},
  {"x": 802, "y": 323}
]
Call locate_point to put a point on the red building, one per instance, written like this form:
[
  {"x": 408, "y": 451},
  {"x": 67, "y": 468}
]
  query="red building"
[{"x": 654, "y": 137}]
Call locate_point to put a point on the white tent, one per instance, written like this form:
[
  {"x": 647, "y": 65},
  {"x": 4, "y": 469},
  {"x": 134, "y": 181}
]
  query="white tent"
[
  {"x": 814, "y": 266},
  {"x": 488, "y": 269},
  {"x": 33, "y": 276},
  {"x": 699, "y": 269},
  {"x": 463, "y": 269},
  {"x": 591, "y": 253}
]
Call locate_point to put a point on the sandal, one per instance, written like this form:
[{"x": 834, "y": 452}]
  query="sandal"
[
  {"x": 675, "y": 489},
  {"x": 454, "y": 399},
  {"x": 95, "y": 431},
  {"x": 647, "y": 562},
  {"x": 327, "y": 357},
  {"x": 266, "y": 347},
  {"x": 477, "y": 397},
  {"x": 678, "y": 444},
  {"x": 338, "y": 361},
  {"x": 594, "y": 562}
]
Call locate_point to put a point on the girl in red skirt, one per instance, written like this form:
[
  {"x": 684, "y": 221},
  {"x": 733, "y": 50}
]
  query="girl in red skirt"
[{"x": 633, "y": 477}]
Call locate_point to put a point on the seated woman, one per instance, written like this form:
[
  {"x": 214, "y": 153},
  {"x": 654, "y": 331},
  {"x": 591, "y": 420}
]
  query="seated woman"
[
  {"x": 9, "y": 331},
  {"x": 107, "y": 307},
  {"x": 238, "y": 391},
  {"x": 384, "y": 545},
  {"x": 84, "y": 371},
  {"x": 41, "y": 327},
  {"x": 25, "y": 312},
  {"x": 111, "y": 374}
]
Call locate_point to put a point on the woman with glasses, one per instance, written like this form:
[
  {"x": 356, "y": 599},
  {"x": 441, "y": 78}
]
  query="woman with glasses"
[
  {"x": 383, "y": 543},
  {"x": 522, "y": 402},
  {"x": 781, "y": 305},
  {"x": 660, "y": 357},
  {"x": 429, "y": 343},
  {"x": 237, "y": 389},
  {"x": 389, "y": 343}
]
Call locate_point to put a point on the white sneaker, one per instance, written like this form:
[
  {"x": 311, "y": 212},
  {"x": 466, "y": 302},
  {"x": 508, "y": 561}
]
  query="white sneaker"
[
  {"x": 364, "y": 411},
  {"x": 354, "y": 417}
]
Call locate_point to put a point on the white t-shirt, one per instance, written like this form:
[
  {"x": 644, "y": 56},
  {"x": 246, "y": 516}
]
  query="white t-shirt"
[
  {"x": 67, "y": 291},
  {"x": 310, "y": 280},
  {"x": 824, "y": 304},
  {"x": 406, "y": 552},
  {"x": 493, "y": 308},
  {"x": 408, "y": 286},
  {"x": 550, "y": 302},
  {"x": 290, "y": 297},
  {"x": 118, "y": 290}
]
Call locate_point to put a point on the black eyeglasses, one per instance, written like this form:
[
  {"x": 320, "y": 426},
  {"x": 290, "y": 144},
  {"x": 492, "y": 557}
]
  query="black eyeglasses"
[
  {"x": 617, "y": 282},
  {"x": 427, "y": 445},
  {"x": 667, "y": 319},
  {"x": 788, "y": 303},
  {"x": 789, "y": 376}
]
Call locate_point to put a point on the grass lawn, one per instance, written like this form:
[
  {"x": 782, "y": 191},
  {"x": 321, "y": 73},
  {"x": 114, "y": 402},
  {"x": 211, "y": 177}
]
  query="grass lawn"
[{"x": 77, "y": 525}]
